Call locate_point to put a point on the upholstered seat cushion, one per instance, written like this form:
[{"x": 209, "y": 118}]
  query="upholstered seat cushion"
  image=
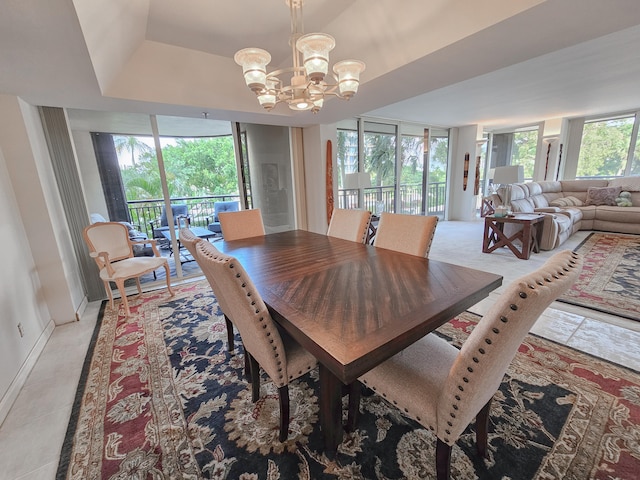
[
  {"x": 418, "y": 395},
  {"x": 299, "y": 360},
  {"x": 132, "y": 267}
]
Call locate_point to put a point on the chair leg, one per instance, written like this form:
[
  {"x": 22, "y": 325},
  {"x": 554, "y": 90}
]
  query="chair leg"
[
  {"x": 230, "y": 338},
  {"x": 107, "y": 287},
  {"x": 283, "y": 394},
  {"x": 138, "y": 285},
  {"x": 255, "y": 377},
  {"x": 168, "y": 277},
  {"x": 355, "y": 391},
  {"x": 247, "y": 366},
  {"x": 443, "y": 460},
  {"x": 123, "y": 296},
  {"x": 482, "y": 429}
]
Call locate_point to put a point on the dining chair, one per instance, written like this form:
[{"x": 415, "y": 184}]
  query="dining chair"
[
  {"x": 444, "y": 388},
  {"x": 349, "y": 224},
  {"x": 190, "y": 240},
  {"x": 410, "y": 234},
  {"x": 241, "y": 224},
  {"x": 112, "y": 249},
  {"x": 266, "y": 346},
  {"x": 229, "y": 206}
]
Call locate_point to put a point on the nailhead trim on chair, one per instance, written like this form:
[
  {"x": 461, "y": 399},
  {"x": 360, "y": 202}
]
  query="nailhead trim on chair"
[
  {"x": 482, "y": 351},
  {"x": 243, "y": 284}
]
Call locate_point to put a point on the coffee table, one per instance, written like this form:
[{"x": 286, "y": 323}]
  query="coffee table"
[
  {"x": 528, "y": 236},
  {"x": 200, "y": 232}
]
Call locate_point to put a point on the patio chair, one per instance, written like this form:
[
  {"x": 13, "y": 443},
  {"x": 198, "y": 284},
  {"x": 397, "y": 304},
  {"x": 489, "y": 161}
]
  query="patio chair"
[
  {"x": 410, "y": 234},
  {"x": 112, "y": 249},
  {"x": 265, "y": 345},
  {"x": 241, "y": 224},
  {"x": 232, "y": 206},
  {"x": 349, "y": 224},
  {"x": 162, "y": 224},
  {"x": 444, "y": 388}
]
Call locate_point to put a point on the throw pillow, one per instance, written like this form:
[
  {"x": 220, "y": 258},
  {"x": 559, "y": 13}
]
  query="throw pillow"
[
  {"x": 624, "y": 200},
  {"x": 566, "y": 202},
  {"x": 602, "y": 196}
]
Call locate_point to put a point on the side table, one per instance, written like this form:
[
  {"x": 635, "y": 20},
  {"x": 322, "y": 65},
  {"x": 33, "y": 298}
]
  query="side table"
[{"x": 528, "y": 236}]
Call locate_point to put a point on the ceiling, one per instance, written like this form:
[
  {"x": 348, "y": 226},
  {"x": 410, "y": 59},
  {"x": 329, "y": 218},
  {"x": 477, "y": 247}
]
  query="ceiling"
[{"x": 496, "y": 63}]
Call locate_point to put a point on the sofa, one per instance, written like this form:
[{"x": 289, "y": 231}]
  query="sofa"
[{"x": 572, "y": 205}]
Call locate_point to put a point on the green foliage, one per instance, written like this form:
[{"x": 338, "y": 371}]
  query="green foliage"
[
  {"x": 604, "y": 148},
  {"x": 380, "y": 158},
  {"x": 438, "y": 160},
  {"x": 525, "y": 145},
  {"x": 194, "y": 167}
]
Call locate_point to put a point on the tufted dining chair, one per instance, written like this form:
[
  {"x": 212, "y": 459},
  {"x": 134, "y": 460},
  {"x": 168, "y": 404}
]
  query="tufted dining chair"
[
  {"x": 349, "y": 224},
  {"x": 266, "y": 346},
  {"x": 410, "y": 234},
  {"x": 449, "y": 387},
  {"x": 189, "y": 240},
  {"x": 112, "y": 249},
  {"x": 241, "y": 224}
]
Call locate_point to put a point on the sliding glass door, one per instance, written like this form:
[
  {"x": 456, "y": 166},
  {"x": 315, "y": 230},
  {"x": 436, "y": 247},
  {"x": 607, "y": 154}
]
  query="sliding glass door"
[{"x": 147, "y": 169}]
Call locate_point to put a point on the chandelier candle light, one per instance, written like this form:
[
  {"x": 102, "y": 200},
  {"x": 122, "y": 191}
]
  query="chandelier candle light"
[{"x": 310, "y": 81}]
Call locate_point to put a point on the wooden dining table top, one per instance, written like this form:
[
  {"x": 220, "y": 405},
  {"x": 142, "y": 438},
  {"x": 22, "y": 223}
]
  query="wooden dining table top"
[{"x": 353, "y": 305}]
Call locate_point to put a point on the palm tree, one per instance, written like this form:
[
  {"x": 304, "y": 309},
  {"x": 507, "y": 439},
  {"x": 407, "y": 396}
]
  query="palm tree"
[{"x": 131, "y": 144}]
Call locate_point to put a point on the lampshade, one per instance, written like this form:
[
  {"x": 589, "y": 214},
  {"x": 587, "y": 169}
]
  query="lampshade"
[
  {"x": 315, "y": 48},
  {"x": 508, "y": 175},
  {"x": 348, "y": 72},
  {"x": 354, "y": 181},
  {"x": 254, "y": 63}
]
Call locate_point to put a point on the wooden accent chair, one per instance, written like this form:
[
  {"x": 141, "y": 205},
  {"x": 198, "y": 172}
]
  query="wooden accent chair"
[
  {"x": 281, "y": 357},
  {"x": 410, "y": 234},
  {"x": 349, "y": 224},
  {"x": 241, "y": 224},
  {"x": 444, "y": 388},
  {"x": 112, "y": 249},
  {"x": 189, "y": 240}
]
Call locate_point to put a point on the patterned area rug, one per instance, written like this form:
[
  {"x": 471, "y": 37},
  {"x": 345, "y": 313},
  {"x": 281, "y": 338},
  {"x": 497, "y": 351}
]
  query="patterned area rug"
[
  {"x": 610, "y": 278},
  {"x": 161, "y": 397}
]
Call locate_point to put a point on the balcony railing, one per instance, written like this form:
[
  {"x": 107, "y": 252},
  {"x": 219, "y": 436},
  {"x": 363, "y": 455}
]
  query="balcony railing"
[
  {"x": 410, "y": 198},
  {"x": 143, "y": 212}
]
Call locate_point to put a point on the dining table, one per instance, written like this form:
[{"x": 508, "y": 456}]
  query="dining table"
[{"x": 353, "y": 305}]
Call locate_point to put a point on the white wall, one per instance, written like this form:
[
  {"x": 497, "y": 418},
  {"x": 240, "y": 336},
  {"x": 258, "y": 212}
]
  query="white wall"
[
  {"x": 40, "y": 285},
  {"x": 315, "y": 148},
  {"x": 462, "y": 203}
]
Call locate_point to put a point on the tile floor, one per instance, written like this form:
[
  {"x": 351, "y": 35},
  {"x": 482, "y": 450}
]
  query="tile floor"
[{"x": 32, "y": 434}]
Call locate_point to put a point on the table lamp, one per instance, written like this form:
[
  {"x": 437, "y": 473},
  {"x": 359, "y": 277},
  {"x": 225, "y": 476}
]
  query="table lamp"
[
  {"x": 358, "y": 181},
  {"x": 505, "y": 176}
]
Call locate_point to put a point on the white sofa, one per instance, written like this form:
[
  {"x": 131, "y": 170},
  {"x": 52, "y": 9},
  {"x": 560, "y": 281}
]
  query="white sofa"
[{"x": 570, "y": 205}]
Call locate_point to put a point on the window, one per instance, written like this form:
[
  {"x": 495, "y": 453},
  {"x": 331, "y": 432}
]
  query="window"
[
  {"x": 516, "y": 148},
  {"x": 525, "y": 144},
  {"x": 411, "y": 174},
  {"x": 415, "y": 184},
  {"x": 380, "y": 164},
  {"x": 604, "y": 150}
]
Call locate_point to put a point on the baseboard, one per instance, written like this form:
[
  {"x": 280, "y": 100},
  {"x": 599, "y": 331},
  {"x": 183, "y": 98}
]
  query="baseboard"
[
  {"x": 81, "y": 308},
  {"x": 20, "y": 379}
]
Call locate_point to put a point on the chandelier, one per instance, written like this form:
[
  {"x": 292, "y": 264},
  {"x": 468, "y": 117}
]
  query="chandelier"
[{"x": 309, "y": 81}]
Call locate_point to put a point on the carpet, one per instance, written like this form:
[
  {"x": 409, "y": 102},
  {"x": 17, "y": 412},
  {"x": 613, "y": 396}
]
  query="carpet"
[
  {"x": 161, "y": 397},
  {"x": 610, "y": 278}
]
